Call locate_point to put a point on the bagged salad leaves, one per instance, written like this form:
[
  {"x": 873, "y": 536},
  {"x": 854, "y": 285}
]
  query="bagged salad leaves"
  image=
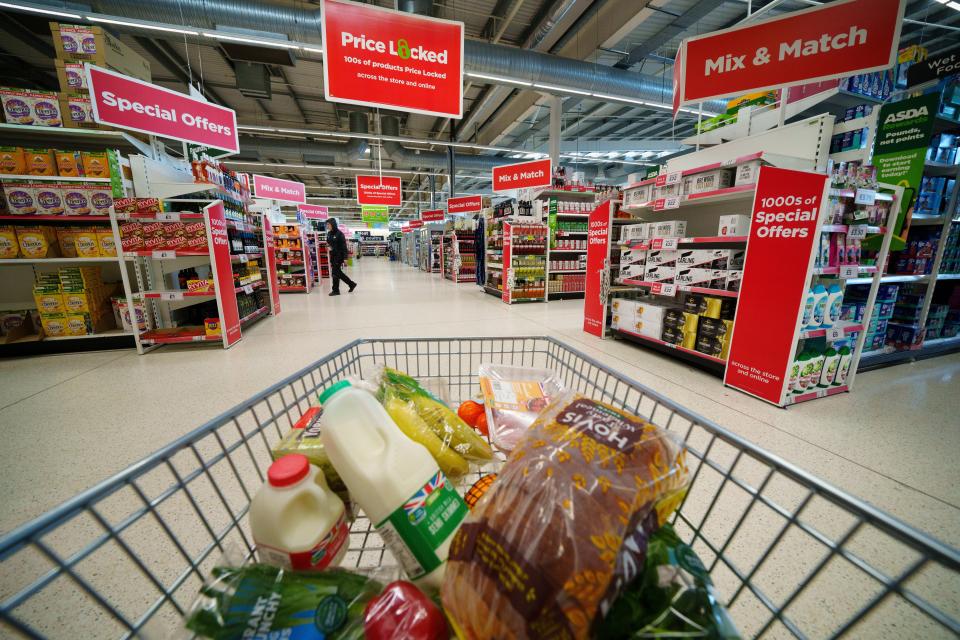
[
  {"x": 673, "y": 598},
  {"x": 513, "y": 398},
  {"x": 455, "y": 443},
  {"x": 564, "y": 529}
]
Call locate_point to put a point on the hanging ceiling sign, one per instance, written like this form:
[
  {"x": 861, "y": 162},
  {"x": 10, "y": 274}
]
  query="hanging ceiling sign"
[
  {"x": 313, "y": 211},
  {"x": 434, "y": 215},
  {"x": 523, "y": 175},
  {"x": 415, "y": 224},
  {"x": 934, "y": 68},
  {"x": 121, "y": 101},
  {"x": 464, "y": 204},
  {"x": 383, "y": 58},
  {"x": 379, "y": 190},
  {"x": 277, "y": 189},
  {"x": 830, "y": 41},
  {"x": 374, "y": 213}
]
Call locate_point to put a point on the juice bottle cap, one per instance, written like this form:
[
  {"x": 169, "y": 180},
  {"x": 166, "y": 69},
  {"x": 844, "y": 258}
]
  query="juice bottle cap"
[{"x": 288, "y": 470}]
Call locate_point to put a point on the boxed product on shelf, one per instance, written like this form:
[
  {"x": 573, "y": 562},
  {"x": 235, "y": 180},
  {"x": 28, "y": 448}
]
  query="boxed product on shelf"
[
  {"x": 96, "y": 164},
  {"x": 710, "y": 181},
  {"x": 9, "y": 247},
  {"x": 632, "y": 271},
  {"x": 637, "y": 196},
  {"x": 747, "y": 173},
  {"x": 632, "y": 256},
  {"x": 31, "y": 107},
  {"x": 659, "y": 273},
  {"x": 670, "y": 229},
  {"x": 662, "y": 257},
  {"x": 733, "y": 280},
  {"x": 196, "y": 234},
  {"x": 12, "y": 161},
  {"x": 77, "y": 112},
  {"x": 37, "y": 242},
  {"x": 131, "y": 235},
  {"x": 734, "y": 225},
  {"x": 69, "y": 163},
  {"x": 86, "y": 242},
  {"x": 21, "y": 198},
  {"x": 71, "y": 76},
  {"x": 902, "y": 336},
  {"x": 49, "y": 198},
  {"x": 80, "y": 43},
  {"x": 40, "y": 162},
  {"x": 706, "y": 278}
]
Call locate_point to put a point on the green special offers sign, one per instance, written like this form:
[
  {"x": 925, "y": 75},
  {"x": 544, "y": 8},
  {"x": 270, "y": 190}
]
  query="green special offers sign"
[
  {"x": 903, "y": 134},
  {"x": 373, "y": 213}
]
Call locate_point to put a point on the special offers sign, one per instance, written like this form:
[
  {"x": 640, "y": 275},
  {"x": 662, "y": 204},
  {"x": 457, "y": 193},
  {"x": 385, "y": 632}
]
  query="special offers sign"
[
  {"x": 383, "y": 58},
  {"x": 830, "y": 41},
  {"x": 379, "y": 190}
]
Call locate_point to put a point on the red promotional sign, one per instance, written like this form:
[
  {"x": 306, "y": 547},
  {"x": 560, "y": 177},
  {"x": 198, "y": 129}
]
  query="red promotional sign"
[
  {"x": 128, "y": 103},
  {"x": 277, "y": 189},
  {"x": 506, "y": 259},
  {"x": 219, "y": 245},
  {"x": 313, "y": 211},
  {"x": 598, "y": 270},
  {"x": 523, "y": 175},
  {"x": 379, "y": 190},
  {"x": 382, "y": 58},
  {"x": 464, "y": 204},
  {"x": 830, "y": 41},
  {"x": 434, "y": 215},
  {"x": 786, "y": 208},
  {"x": 270, "y": 257},
  {"x": 415, "y": 224}
]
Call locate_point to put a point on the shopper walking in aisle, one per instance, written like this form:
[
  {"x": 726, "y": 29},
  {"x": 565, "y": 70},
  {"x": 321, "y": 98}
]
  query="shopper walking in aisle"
[{"x": 338, "y": 255}]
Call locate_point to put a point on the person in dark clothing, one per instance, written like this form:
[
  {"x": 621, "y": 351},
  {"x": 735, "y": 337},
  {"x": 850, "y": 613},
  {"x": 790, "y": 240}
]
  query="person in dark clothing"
[{"x": 338, "y": 255}]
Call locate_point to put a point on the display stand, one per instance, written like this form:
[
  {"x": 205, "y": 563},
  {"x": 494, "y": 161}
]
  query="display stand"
[
  {"x": 493, "y": 255},
  {"x": 294, "y": 264},
  {"x": 458, "y": 260},
  {"x": 320, "y": 254},
  {"x": 567, "y": 211},
  {"x": 525, "y": 262}
]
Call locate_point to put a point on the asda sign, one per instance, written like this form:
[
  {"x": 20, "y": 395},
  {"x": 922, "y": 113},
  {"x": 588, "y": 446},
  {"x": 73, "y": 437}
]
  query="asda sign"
[{"x": 382, "y": 58}]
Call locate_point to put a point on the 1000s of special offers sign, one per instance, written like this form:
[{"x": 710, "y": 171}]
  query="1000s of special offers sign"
[{"x": 382, "y": 58}]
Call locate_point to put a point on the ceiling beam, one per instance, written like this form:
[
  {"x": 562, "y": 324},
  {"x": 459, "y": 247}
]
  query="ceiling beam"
[{"x": 676, "y": 27}]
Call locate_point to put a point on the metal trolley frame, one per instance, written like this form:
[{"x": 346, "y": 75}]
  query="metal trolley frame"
[{"x": 791, "y": 555}]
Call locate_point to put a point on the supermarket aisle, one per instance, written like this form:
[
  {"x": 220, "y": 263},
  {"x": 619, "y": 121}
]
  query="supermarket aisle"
[{"x": 69, "y": 421}]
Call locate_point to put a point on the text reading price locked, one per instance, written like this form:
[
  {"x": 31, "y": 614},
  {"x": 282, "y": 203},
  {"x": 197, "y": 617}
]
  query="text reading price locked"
[{"x": 786, "y": 216}]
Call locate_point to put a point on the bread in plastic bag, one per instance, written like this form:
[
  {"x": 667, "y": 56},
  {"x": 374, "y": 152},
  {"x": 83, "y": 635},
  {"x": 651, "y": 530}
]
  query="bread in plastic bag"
[
  {"x": 452, "y": 432},
  {"x": 563, "y": 530},
  {"x": 513, "y": 397}
]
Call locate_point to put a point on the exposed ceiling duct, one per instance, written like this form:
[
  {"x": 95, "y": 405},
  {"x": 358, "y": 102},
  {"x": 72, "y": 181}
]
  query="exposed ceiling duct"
[
  {"x": 390, "y": 126},
  {"x": 479, "y": 57},
  {"x": 319, "y": 152}
]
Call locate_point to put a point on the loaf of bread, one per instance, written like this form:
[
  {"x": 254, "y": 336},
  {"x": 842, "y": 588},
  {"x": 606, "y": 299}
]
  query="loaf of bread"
[{"x": 549, "y": 547}]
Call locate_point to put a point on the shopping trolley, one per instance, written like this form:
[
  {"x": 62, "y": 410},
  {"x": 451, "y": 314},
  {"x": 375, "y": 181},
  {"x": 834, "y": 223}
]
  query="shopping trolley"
[{"x": 791, "y": 555}]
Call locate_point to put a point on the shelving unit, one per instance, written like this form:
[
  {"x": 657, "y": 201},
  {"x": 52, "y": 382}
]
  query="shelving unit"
[
  {"x": 293, "y": 260},
  {"x": 524, "y": 261},
  {"x": 459, "y": 260},
  {"x": 429, "y": 249},
  {"x": 566, "y": 259},
  {"x": 373, "y": 247},
  {"x": 320, "y": 255}
]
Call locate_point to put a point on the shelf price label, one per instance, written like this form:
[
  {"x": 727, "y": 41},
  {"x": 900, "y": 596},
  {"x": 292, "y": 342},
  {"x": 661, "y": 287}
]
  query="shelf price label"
[
  {"x": 849, "y": 271},
  {"x": 199, "y": 338},
  {"x": 170, "y": 296},
  {"x": 168, "y": 216},
  {"x": 663, "y": 289},
  {"x": 857, "y": 232},
  {"x": 164, "y": 255},
  {"x": 285, "y": 262},
  {"x": 243, "y": 257},
  {"x": 668, "y": 178},
  {"x": 834, "y": 334},
  {"x": 668, "y": 244},
  {"x": 248, "y": 288},
  {"x": 865, "y": 197}
]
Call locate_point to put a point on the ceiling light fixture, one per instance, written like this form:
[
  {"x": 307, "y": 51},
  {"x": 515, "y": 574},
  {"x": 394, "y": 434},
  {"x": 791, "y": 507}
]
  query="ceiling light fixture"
[
  {"x": 312, "y": 49},
  {"x": 484, "y": 76},
  {"x": 141, "y": 25},
  {"x": 46, "y": 12},
  {"x": 550, "y": 87},
  {"x": 252, "y": 128},
  {"x": 250, "y": 41},
  {"x": 604, "y": 96}
]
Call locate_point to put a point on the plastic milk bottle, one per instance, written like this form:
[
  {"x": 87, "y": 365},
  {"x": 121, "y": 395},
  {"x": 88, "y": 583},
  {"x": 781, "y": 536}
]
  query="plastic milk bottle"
[
  {"x": 297, "y": 521},
  {"x": 394, "y": 480}
]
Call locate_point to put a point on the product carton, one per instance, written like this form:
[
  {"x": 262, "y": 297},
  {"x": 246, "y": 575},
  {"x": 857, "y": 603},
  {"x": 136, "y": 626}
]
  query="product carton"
[
  {"x": 670, "y": 229},
  {"x": 713, "y": 328},
  {"x": 667, "y": 191},
  {"x": 68, "y": 163},
  {"x": 664, "y": 257},
  {"x": 106, "y": 244},
  {"x": 54, "y": 325},
  {"x": 632, "y": 232},
  {"x": 734, "y": 225},
  {"x": 631, "y": 271},
  {"x": 747, "y": 173},
  {"x": 66, "y": 238},
  {"x": 703, "y": 258},
  {"x": 632, "y": 256},
  {"x": 77, "y": 302},
  {"x": 671, "y": 335},
  {"x": 705, "y": 278},
  {"x": 77, "y": 112},
  {"x": 12, "y": 161},
  {"x": 9, "y": 247},
  {"x": 646, "y": 327},
  {"x": 100, "y": 198},
  {"x": 711, "y": 181},
  {"x": 659, "y": 273},
  {"x": 78, "y": 324},
  {"x": 79, "y": 43},
  {"x": 154, "y": 238},
  {"x": 71, "y": 76},
  {"x": 734, "y": 278},
  {"x": 49, "y": 199},
  {"x": 674, "y": 317},
  {"x": 28, "y": 107},
  {"x": 21, "y": 198},
  {"x": 48, "y": 301},
  {"x": 40, "y": 162},
  {"x": 196, "y": 233},
  {"x": 76, "y": 199},
  {"x": 96, "y": 164},
  {"x": 37, "y": 242},
  {"x": 87, "y": 243},
  {"x": 174, "y": 236},
  {"x": 131, "y": 235}
]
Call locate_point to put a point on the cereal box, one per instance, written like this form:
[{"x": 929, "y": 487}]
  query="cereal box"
[
  {"x": 131, "y": 235},
  {"x": 40, "y": 162},
  {"x": 96, "y": 164},
  {"x": 78, "y": 112},
  {"x": 71, "y": 76},
  {"x": 101, "y": 199},
  {"x": 76, "y": 200},
  {"x": 212, "y": 327},
  {"x": 46, "y": 110},
  {"x": 74, "y": 43},
  {"x": 37, "y": 242},
  {"x": 48, "y": 301},
  {"x": 76, "y": 302},
  {"x": 54, "y": 325},
  {"x": 9, "y": 248},
  {"x": 68, "y": 163},
  {"x": 108, "y": 248},
  {"x": 12, "y": 161},
  {"x": 78, "y": 324},
  {"x": 88, "y": 246},
  {"x": 49, "y": 199},
  {"x": 66, "y": 238},
  {"x": 21, "y": 198},
  {"x": 17, "y": 106}
]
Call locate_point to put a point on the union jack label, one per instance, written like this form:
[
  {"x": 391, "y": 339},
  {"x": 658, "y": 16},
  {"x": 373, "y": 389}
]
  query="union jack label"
[{"x": 415, "y": 507}]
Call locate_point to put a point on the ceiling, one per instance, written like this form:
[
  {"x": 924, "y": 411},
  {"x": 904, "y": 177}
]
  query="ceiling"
[{"x": 635, "y": 35}]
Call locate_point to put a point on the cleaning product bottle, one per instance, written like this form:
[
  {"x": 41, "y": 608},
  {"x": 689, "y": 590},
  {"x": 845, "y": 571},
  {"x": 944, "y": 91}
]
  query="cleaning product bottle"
[
  {"x": 819, "y": 307},
  {"x": 394, "y": 480},
  {"x": 844, "y": 367},
  {"x": 834, "y": 302},
  {"x": 297, "y": 521},
  {"x": 794, "y": 373},
  {"x": 803, "y": 376},
  {"x": 808, "y": 303},
  {"x": 831, "y": 362},
  {"x": 815, "y": 368}
]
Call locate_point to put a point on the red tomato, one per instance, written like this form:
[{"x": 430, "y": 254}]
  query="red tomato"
[
  {"x": 481, "y": 425},
  {"x": 469, "y": 411},
  {"x": 403, "y": 611}
]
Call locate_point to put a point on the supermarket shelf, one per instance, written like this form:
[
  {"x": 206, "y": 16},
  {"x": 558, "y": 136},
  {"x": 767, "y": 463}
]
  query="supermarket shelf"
[
  {"x": 256, "y": 284},
  {"x": 259, "y": 313},
  {"x": 568, "y": 250},
  {"x": 942, "y": 123},
  {"x": 573, "y": 215},
  {"x": 494, "y": 265},
  {"x": 25, "y": 178},
  {"x": 565, "y": 194},
  {"x": 242, "y": 226},
  {"x": 244, "y": 257},
  {"x": 741, "y": 192},
  {"x": 175, "y": 295},
  {"x": 54, "y": 260},
  {"x": 290, "y": 263},
  {"x": 843, "y": 228},
  {"x": 891, "y": 278},
  {"x": 560, "y": 295},
  {"x": 948, "y": 276},
  {"x": 493, "y": 291},
  {"x": 932, "y": 168},
  {"x": 173, "y": 216},
  {"x": 565, "y": 234},
  {"x": 56, "y": 218},
  {"x": 668, "y": 347},
  {"x": 851, "y": 327},
  {"x": 552, "y": 272},
  {"x": 71, "y": 137},
  {"x": 832, "y": 271},
  {"x": 147, "y": 339},
  {"x": 852, "y": 193},
  {"x": 292, "y": 289},
  {"x": 813, "y": 395},
  {"x": 657, "y": 243},
  {"x": 918, "y": 219},
  {"x": 710, "y": 292},
  {"x": 116, "y": 333}
]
